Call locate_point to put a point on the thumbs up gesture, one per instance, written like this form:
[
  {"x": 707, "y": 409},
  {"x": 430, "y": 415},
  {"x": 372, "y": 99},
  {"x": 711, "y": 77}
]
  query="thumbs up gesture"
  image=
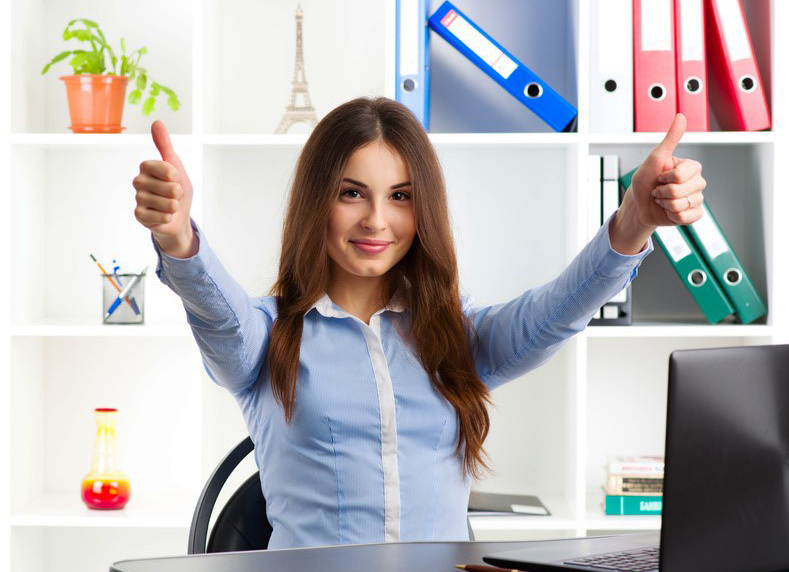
[
  {"x": 667, "y": 190},
  {"x": 164, "y": 197}
]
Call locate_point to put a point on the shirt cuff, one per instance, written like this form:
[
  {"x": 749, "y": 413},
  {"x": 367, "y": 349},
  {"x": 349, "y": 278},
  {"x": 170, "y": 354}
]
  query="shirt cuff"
[
  {"x": 608, "y": 262},
  {"x": 183, "y": 267}
]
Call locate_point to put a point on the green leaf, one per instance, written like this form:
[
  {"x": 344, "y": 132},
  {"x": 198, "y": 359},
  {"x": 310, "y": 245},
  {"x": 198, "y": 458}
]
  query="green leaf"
[
  {"x": 95, "y": 62},
  {"x": 83, "y": 35},
  {"x": 155, "y": 89},
  {"x": 79, "y": 60},
  {"x": 142, "y": 80},
  {"x": 123, "y": 46},
  {"x": 56, "y": 59},
  {"x": 172, "y": 101},
  {"x": 148, "y": 106},
  {"x": 89, "y": 23},
  {"x": 134, "y": 96},
  {"x": 124, "y": 65}
]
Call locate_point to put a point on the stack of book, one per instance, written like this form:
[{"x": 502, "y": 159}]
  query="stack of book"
[{"x": 634, "y": 486}]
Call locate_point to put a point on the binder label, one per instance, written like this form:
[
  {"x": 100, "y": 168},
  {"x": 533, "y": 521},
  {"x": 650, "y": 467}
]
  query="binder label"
[
  {"x": 672, "y": 239},
  {"x": 734, "y": 29},
  {"x": 710, "y": 235},
  {"x": 479, "y": 44},
  {"x": 691, "y": 17},
  {"x": 614, "y": 51},
  {"x": 656, "y": 26},
  {"x": 409, "y": 37}
]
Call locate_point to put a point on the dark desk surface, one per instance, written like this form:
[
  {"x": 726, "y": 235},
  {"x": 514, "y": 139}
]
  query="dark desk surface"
[{"x": 389, "y": 557}]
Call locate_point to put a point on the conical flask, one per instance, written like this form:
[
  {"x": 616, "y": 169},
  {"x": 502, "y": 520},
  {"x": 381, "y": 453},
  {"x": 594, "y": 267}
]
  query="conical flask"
[{"x": 105, "y": 487}]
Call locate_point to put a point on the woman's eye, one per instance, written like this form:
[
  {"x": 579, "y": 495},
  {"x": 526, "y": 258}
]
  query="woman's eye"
[
  {"x": 346, "y": 191},
  {"x": 405, "y": 196}
]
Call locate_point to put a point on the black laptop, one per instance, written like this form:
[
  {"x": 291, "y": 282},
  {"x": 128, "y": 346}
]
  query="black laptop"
[{"x": 726, "y": 480}]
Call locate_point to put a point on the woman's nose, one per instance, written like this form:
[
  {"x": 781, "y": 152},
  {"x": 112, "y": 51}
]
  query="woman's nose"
[{"x": 375, "y": 219}]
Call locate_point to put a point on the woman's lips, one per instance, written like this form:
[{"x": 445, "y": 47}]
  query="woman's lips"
[{"x": 369, "y": 248}]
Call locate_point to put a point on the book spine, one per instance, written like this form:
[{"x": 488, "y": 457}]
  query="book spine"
[
  {"x": 622, "y": 484},
  {"x": 624, "y": 468},
  {"x": 632, "y": 505}
]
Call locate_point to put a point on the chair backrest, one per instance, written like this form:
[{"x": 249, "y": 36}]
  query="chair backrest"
[{"x": 242, "y": 523}]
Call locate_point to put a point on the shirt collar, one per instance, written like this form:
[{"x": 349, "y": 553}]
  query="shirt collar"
[{"x": 326, "y": 307}]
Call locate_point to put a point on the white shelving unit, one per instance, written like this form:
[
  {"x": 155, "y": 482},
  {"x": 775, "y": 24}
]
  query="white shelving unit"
[{"x": 518, "y": 206}]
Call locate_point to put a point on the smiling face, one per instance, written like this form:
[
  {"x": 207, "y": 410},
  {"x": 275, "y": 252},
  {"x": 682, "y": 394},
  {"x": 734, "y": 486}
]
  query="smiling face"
[{"x": 371, "y": 224}]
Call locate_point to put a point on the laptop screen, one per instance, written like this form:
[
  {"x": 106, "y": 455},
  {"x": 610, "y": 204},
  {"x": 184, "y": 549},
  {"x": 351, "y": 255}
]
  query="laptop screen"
[{"x": 726, "y": 482}]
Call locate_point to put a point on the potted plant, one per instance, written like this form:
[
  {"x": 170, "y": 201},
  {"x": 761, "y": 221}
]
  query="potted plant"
[{"x": 95, "y": 95}]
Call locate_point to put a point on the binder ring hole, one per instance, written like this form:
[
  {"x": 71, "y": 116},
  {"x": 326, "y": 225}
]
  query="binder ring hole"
[
  {"x": 697, "y": 278},
  {"x": 610, "y": 86},
  {"x": 533, "y": 90},
  {"x": 657, "y": 92},
  {"x": 747, "y": 83},
  {"x": 732, "y": 276},
  {"x": 693, "y": 85},
  {"x": 409, "y": 85}
]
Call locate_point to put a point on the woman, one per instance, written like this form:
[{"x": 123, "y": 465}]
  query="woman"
[{"x": 364, "y": 377}]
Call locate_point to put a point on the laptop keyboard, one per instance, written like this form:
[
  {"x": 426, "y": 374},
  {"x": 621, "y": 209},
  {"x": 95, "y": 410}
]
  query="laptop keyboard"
[{"x": 640, "y": 560}]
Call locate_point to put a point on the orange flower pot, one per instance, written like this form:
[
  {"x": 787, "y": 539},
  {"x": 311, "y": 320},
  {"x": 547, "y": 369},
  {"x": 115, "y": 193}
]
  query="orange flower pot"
[{"x": 95, "y": 102}]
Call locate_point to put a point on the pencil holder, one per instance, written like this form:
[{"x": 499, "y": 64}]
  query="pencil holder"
[{"x": 127, "y": 310}]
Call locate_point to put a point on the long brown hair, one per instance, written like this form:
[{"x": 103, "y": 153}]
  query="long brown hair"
[{"x": 426, "y": 277}]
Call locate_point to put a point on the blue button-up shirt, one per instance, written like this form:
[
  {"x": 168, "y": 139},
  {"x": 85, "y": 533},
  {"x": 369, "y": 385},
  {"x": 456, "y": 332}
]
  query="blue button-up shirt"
[{"x": 370, "y": 453}]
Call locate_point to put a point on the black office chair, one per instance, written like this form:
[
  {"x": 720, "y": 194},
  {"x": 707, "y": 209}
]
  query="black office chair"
[{"x": 242, "y": 524}]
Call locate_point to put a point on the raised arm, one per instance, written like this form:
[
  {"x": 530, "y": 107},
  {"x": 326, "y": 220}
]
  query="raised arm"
[
  {"x": 230, "y": 328},
  {"x": 520, "y": 335}
]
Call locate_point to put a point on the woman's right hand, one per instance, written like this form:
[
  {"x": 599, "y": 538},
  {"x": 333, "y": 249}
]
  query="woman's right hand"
[{"x": 164, "y": 198}]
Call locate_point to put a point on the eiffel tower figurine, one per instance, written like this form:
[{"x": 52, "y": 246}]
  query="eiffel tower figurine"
[{"x": 298, "y": 113}]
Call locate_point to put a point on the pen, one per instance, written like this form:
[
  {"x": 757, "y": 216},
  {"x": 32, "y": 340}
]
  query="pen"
[
  {"x": 125, "y": 292},
  {"x": 131, "y": 299},
  {"x": 131, "y": 302},
  {"x": 480, "y": 568}
]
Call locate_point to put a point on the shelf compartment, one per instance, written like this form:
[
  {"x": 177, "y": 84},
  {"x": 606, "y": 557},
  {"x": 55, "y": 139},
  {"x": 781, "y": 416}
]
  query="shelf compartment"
[
  {"x": 39, "y": 103},
  {"x": 69, "y": 203},
  {"x": 740, "y": 193},
  {"x": 543, "y": 36},
  {"x": 57, "y": 382},
  {"x": 627, "y": 381},
  {"x": 758, "y": 14},
  {"x": 343, "y": 51}
]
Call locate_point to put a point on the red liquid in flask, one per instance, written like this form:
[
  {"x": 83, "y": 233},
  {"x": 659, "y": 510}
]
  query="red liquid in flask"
[{"x": 105, "y": 487}]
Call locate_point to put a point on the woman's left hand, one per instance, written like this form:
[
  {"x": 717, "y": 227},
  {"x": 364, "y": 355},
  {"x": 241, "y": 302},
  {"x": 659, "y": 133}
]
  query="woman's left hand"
[{"x": 666, "y": 190}]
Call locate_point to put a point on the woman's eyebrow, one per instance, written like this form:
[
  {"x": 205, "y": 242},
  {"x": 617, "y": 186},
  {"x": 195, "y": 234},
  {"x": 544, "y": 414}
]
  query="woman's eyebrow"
[{"x": 359, "y": 183}]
